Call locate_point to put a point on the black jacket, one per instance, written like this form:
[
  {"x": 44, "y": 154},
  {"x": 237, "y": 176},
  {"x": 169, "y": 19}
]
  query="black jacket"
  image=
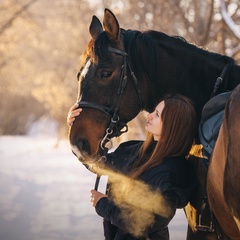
[{"x": 171, "y": 178}]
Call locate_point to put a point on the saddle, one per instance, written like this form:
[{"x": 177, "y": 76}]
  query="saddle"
[{"x": 210, "y": 123}]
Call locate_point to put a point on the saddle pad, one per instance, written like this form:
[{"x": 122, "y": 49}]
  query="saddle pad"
[{"x": 212, "y": 117}]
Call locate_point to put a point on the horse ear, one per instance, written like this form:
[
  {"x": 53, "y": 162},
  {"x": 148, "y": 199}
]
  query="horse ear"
[
  {"x": 95, "y": 27},
  {"x": 111, "y": 26}
]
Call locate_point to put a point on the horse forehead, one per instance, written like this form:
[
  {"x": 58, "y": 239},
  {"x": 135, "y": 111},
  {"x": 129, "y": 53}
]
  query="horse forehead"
[{"x": 86, "y": 68}]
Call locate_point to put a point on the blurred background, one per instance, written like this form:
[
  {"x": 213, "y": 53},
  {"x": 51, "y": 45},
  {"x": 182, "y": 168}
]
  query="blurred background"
[{"x": 41, "y": 42}]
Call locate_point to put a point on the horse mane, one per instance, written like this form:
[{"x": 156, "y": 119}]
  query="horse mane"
[
  {"x": 157, "y": 53},
  {"x": 181, "y": 38},
  {"x": 145, "y": 46},
  {"x": 140, "y": 45},
  {"x": 96, "y": 49}
]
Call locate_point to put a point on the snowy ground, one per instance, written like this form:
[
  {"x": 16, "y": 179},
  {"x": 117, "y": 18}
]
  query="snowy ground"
[{"x": 45, "y": 193}]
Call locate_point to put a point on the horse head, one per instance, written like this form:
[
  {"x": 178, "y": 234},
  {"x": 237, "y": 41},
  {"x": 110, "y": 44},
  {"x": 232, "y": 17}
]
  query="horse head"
[{"x": 108, "y": 90}]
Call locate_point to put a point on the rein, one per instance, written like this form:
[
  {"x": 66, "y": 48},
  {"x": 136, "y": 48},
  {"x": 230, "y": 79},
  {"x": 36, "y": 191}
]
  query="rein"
[{"x": 115, "y": 127}]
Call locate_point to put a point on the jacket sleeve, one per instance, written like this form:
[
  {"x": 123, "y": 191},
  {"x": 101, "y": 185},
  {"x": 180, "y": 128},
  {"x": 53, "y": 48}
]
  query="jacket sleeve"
[
  {"x": 165, "y": 183},
  {"x": 109, "y": 211},
  {"x": 177, "y": 195},
  {"x": 106, "y": 209}
]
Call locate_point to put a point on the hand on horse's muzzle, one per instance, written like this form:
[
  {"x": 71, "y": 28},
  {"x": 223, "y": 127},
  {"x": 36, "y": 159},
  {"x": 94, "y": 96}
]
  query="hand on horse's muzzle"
[{"x": 73, "y": 113}]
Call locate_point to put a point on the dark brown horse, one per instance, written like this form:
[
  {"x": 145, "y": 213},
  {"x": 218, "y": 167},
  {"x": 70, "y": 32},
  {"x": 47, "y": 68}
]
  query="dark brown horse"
[
  {"x": 126, "y": 71},
  {"x": 223, "y": 185},
  {"x": 231, "y": 128}
]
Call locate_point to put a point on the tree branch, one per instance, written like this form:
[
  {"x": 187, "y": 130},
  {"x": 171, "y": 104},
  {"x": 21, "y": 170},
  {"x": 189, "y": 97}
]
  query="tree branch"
[
  {"x": 15, "y": 15},
  {"x": 228, "y": 20}
]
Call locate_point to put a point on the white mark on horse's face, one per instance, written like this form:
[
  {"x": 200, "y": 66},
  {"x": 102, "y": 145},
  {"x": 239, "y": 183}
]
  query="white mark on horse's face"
[
  {"x": 86, "y": 68},
  {"x": 76, "y": 151}
]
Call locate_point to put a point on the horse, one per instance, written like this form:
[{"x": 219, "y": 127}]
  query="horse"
[
  {"x": 223, "y": 185},
  {"x": 126, "y": 71},
  {"x": 232, "y": 134}
]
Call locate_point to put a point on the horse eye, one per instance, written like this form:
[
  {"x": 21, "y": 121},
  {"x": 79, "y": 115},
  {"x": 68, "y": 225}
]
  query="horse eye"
[{"x": 105, "y": 74}]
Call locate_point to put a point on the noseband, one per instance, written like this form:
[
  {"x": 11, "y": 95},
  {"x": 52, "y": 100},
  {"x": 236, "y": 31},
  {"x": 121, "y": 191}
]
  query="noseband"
[{"x": 115, "y": 127}]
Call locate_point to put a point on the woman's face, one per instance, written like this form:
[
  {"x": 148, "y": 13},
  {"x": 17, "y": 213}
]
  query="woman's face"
[{"x": 154, "y": 121}]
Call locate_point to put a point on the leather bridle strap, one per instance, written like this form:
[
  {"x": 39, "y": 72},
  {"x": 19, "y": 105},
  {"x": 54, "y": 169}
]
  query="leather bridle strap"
[
  {"x": 126, "y": 64},
  {"x": 86, "y": 104},
  {"x": 220, "y": 79}
]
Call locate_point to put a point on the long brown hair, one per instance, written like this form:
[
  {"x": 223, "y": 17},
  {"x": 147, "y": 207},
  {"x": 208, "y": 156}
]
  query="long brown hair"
[{"x": 178, "y": 118}]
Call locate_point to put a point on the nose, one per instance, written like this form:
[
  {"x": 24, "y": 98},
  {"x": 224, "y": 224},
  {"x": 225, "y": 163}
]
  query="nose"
[
  {"x": 149, "y": 116},
  {"x": 83, "y": 145}
]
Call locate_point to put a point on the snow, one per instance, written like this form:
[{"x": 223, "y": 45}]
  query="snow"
[{"x": 45, "y": 193}]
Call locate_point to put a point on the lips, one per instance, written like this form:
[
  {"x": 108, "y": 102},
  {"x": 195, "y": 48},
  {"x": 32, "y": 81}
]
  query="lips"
[{"x": 148, "y": 125}]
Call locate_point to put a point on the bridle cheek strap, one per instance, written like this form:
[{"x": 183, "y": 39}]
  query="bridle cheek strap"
[{"x": 124, "y": 77}]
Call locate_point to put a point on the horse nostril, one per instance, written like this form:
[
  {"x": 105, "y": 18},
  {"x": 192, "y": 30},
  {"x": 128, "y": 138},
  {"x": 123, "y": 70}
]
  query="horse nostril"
[{"x": 83, "y": 145}]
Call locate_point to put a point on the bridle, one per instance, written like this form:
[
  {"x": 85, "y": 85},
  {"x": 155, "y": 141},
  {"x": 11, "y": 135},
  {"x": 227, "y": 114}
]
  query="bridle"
[{"x": 115, "y": 127}]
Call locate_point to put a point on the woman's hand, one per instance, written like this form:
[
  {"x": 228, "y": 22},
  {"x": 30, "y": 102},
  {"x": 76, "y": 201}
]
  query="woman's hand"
[
  {"x": 73, "y": 113},
  {"x": 96, "y": 196}
]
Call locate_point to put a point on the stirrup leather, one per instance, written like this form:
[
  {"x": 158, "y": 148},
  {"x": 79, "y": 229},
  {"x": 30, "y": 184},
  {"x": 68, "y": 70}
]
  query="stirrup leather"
[{"x": 202, "y": 227}]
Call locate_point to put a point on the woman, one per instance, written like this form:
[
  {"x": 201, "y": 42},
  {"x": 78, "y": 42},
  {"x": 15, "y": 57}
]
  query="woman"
[{"x": 159, "y": 163}]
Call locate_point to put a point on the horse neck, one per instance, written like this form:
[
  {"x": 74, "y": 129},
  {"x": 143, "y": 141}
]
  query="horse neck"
[
  {"x": 234, "y": 77},
  {"x": 199, "y": 71},
  {"x": 174, "y": 66}
]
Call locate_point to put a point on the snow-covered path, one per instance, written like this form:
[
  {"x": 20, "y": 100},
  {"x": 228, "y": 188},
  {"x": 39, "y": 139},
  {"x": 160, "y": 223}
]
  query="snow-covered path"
[{"x": 45, "y": 193}]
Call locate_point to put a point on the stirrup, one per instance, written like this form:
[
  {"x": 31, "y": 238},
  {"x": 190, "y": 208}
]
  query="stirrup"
[
  {"x": 205, "y": 228},
  {"x": 200, "y": 226}
]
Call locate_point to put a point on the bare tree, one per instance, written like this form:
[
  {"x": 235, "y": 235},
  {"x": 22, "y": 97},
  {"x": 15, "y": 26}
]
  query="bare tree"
[
  {"x": 229, "y": 21},
  {"x": 9, "y": 22},
  {"x": 40, "y": 46}
]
